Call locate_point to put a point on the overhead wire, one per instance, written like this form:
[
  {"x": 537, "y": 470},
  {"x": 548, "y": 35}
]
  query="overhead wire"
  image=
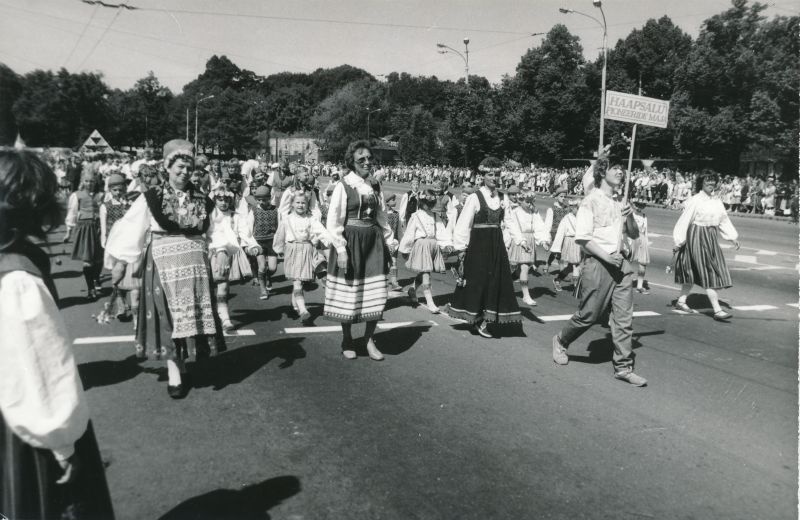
[
  {"x": 78, "y": 41},
  {"x": 100, "y": 39}
]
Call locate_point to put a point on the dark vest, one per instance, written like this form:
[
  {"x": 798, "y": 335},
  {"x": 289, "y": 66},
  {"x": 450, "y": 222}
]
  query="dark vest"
[{"x": 411, "y": 206}]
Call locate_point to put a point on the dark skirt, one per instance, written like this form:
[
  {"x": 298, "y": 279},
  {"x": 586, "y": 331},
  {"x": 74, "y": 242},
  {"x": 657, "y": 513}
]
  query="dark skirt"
[
  {"x": 700, "y": 261},
  {"x": 488, "y": 292},
  {"x": 155, "y": 326},
  {"x": 358, "y": 293},
  {"x": 87, "y": 247},
  {"x": 28, "y": 488}
]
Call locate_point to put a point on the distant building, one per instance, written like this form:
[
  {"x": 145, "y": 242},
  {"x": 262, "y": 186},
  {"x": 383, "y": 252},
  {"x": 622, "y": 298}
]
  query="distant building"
[{"x": 296, "y": 148}]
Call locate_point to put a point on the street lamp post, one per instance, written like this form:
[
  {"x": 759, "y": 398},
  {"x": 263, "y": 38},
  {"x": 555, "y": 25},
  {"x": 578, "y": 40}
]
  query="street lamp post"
[
  {"x": 598, "y": 4},
  {"x": 444, "y": 49},
  {"x": 195, "y": 119},
  {"x": 369, "y": 112}
]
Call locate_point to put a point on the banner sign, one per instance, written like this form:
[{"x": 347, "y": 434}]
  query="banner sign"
[{"x": 636, "y": 109}]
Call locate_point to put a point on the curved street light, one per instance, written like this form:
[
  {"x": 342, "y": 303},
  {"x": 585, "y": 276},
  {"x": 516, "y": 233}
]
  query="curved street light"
[
  {"x": 370, "y": 112},
  {"x": 444, "y": 49},
  {"x": 195, "y": 120},
  {"x": 598, "y": 4}
]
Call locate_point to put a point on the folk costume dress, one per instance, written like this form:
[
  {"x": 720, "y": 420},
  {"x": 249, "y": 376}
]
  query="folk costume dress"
[
  {"x": 533, "y": 231},
  {"x": 640, "y": 247},
  {"x": 297, "y": 237},
  {"x": 111, "y": 211},
  {"x": 700, "y": 260},
  {"x": 564, "y": 241},
  {"x": 487, "y": 290},
  {"x": 43, "y": 412},
  {"x": 229, "y": 232},
  {"x": 423, "y": 240},
  {"x": 357, "y": 224},
  {"x": 176, "y": 302},
  {"x": 83, "y": 214}
]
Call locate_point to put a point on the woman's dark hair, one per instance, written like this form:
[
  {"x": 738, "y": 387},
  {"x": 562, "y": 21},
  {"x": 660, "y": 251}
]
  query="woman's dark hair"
[
  {"x": 700, "y": 179},
  {"x": 428, "y": 198},
  {"x": 28, "y": 203},
  {"x": 599, "y": 170},
  {"x": 349, "y": 160}
]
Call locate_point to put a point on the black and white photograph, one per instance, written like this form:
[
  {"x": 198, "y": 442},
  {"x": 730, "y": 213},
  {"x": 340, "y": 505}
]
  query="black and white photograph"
[{"x": 395, "y": 259}]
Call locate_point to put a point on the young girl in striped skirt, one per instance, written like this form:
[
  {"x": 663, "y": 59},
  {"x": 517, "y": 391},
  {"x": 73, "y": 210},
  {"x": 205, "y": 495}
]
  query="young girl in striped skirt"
[
  {"x": 425, "y": 240},
  {"x": 564, "y": 243},
  {"x": 227, "y": 233},
  {"x": 533, "y": 232},
  {"x": 83, "y": 215},
  {"x": 640, "y": 247},
  {"x": 297, "y": 235},
  {"x": 699, "y": 259}
]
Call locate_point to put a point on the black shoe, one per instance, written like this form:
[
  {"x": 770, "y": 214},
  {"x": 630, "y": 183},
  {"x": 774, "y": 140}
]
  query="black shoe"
[{"x": 177, "y": 392}]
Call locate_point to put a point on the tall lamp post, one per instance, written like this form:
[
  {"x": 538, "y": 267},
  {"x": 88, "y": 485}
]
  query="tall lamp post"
[
  {"x": 598, "y": 4},
  {"x": 195, "y": 119},
  {"x": 369, "y": 112},
  {"x": 444, "y": 49}
]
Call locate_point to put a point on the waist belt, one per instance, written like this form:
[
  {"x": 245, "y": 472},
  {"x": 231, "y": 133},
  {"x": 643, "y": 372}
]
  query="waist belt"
[
  {"x": 361, "y": 223},
  {"x": 486, "y": 225}
]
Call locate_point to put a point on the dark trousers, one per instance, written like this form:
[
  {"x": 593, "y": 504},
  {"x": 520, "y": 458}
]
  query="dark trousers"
[{"x": 602, "y": 286}]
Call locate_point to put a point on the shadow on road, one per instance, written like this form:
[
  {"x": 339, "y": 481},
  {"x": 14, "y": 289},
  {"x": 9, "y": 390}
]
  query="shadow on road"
[
  {"x": 250, "y": 502},
  {"x": 107, "y": 373},
  {"x": 393, "y": 342},
  {"x": 234, "y": 366},
  {"x": 601, "y": 350},
  {"x": 66, "y": 274}
]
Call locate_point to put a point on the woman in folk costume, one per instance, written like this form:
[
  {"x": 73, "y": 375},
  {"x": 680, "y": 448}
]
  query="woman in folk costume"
[
  {"x": 298, "y": 234},
  {"x": 176, "y": 303},
  {"x": 227, "y": 233},
  {"x": 564, "y": 245},
  {"x": 357, "y": 286},
  {"x": 50, "y": 465},
  {"x": 83, "y": 216},
  {"x": 699, "y": 259},
  {"x": 533, "y": 231},
  {"x": 485, "y": 295},
  {"x": 426, "y": 241},
  {"x": 113, "y": 208}
]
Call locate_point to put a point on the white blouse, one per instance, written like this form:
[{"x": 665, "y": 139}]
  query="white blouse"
[
  {"x": 702, "y": 210},
  {"x": 337, "y": 212},
  {"x": 41, "y": 395},
  {"x": 422, "y": 225},
  {"x": 294, "y": 228},
  {"x": 566, "y": 228},
  {"x": 471, "y": 207},
  {"x": 285, "y": 206},
  {"x": 531, "y": 223},
  {"x": 229, "y": 231}
]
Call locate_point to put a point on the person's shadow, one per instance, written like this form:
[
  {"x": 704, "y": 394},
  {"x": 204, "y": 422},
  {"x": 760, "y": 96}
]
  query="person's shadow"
[
  {"x": 106, "y": 373},
  {"x": 234, "y": 366},
  {"x": 249, "y": 503}
]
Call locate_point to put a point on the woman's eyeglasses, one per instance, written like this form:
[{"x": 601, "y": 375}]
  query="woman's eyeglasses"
[{"x": 362, "y": 160}]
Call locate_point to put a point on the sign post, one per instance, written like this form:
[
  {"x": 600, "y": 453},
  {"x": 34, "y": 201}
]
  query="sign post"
[{"x": 635, "y": 109}]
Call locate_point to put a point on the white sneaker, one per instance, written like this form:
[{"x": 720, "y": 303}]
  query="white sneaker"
[{"x": 529, "y": 301}]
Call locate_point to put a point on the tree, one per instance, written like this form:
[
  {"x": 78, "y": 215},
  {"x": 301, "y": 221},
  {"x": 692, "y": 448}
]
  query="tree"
[
  {"x": 10, "y": 89},
  {"x": 415, "y": 131}
]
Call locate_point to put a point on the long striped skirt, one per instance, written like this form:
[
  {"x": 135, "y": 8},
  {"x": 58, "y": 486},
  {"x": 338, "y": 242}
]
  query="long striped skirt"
[
  {"x": 359, "y": 292},
  {"x": 700, "y": 261},
  {"x": 177, "y": 302}
]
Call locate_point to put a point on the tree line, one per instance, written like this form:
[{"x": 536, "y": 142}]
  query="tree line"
[{"x": 733, "y": 90}]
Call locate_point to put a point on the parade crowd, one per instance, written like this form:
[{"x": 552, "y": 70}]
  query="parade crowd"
[{"x": 176, "y": 232}]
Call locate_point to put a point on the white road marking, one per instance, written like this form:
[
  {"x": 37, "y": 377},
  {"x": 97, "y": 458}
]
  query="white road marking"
[
  {"x": 98, "y": 340},
  {"x": 766, "y": 252},
  {"x": 672, "y": 287},
  {"x": 795, "y": 305},
  {"x": 381, "y": 326},
  {"x": 654, "y": 235},
  {"x": 683, "y": 313},
  {"x": 754, "y": 307},
  {"x": 725, "y": 246},
  {"x": 756, "y": 268},
  {"x": 565, "y": 317},
  {"x": 746, "y": 259}
]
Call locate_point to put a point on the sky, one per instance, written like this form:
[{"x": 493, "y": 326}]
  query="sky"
[{"x": 175, "y": 38}]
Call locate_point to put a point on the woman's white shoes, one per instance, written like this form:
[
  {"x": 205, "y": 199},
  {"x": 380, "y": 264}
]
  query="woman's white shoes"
[{"x": 373, "y": 351}]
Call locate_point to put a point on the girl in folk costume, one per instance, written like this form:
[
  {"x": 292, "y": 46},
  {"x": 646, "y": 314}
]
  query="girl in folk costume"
[
  {"x": 485, "y": 295},
  {"x": 640, "y": 247},
  {"x": 303, "y": 182},
  {"x": 297, "y": 235},
  {"x": 263, "y": 220},
  {"x": 699, "y": 259},
  {"x": 229, "y": 263},
  {"x": 83, "y": 216},
  {"x": 533, "y": 231},
  {"x": 50, "y": 464},
  {"x": 357, "y": 286},
  {"x": 426, "y": 241},
  {"x": 409, "y": 202},
  {"x": 553, "y": 218},
  {"x": 569, "y": 253},
  {"x": 113, "y": 209},
  {"x": 176, "y": 302},
  {"x": 393, "y": 219}
]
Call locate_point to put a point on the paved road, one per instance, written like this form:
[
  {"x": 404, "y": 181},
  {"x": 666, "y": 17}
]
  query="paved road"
[{"x": 455, "y": 426}]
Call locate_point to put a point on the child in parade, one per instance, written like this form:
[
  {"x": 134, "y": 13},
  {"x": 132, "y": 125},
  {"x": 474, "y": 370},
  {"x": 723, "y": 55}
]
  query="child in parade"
[
  {"x": 227, "y": 233},
  {"x": 113, "y": 209},
  {"x": 640, "y": 247},
  {"x": 263, "y": 219},
  {"x": 553, "y": 219},
  {"x": 393, "y": 219},
  {"x": 533, "y": 231},
  {"x": 409, "y": 202},
  {"x": 425, "y": 239},
  {"x": 297, "y": 235},
  {"x": 569, "y": 253},
  {"x": 83, "y": 216}
]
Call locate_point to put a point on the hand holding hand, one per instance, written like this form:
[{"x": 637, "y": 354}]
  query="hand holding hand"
[
  {"x": 71, "y": 468},
  {"x": 254, "y": 250},
  {"x": 736, "y": 244},
  {"x": 546, "y": 246}
]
